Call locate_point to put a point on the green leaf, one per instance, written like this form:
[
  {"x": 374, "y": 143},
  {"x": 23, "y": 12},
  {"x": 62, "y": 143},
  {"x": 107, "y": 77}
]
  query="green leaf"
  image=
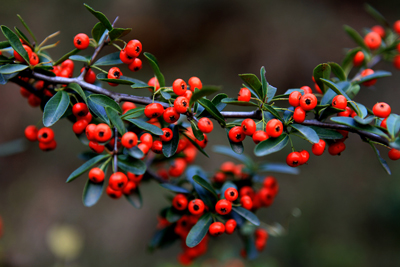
[
  {"x": 338, "y": 71},
  {"x": 105, "y": 101},
  {"x": 217, "y": 102},
  {"x": 271, "y": 145},
  {"x": 322, "y": 71},
  {"x": 85, "y": 59},
  {"x": 98, "y": 110},
  {"x": 253, "y": 82},
  {"x": 273, "y": 111},
  {"x": 205, "y": 184},
  {"x": 165, "y": 95},
  {"x": 381, "y": 160},
  {"x": 13, "y": 147},
  {"x": 326, "y": 133},
  {"x": 135, "y": 152},
  {"x": 146, "y": 126},
  {"x": 224, "y": 150},
  {"x": 347, "y": 62},
  {"x": 15, "y": 42},
  {"x": 376, "y": 15},
  {"x": 172, "y": 215},
  {"x": 395, "y": 144},
  {"x": 77, "y": 88},
  {"x": 208, "y": 198},
  {"x": 307, "y": 132},
  {"x": 92, "y": 193},
  {"x": 264, "y": 83},
  {"x": 248, "y": 215},
  {"x": 27, "y": 28},
  {"x": 377, "y": 74},
  {"x": 135, "y": 166},
  {"x": 353, "y": 124},
  {"x": 233, "y": 101},
  {"x": 393, "y": 124},
  {"x": 197, "y": 133},
  {"x": 271, "y": 91},
  {"x": 123, "y": 80},
  {"x": 22, "y": 36},
  {"x": 210, "y": 107},
  {"x": 86, "y": 166},
  {"x": 364, "y": 121},
  {"x": 4, "y": 44},
  {"x": 278, "y": 167},
  {"x": 98, "y": 31},
  {"x": 196, "y": 145},
  {"x": 133, "y": 113},
  {"x": 55, "y": 108},
  {"x": 118, "y": 33},
  {"x": 12, "y": 68},
  {"x": 205, "y": 91},
  {"x": 356, "y": 37},
  {"x": 66, "y": 56},
  {"x": 287, "y": 115},
  {"x": 135, "y": 198},
  {"x": 110, "y": 59},
  {"x": 199, "y": 230},
  {"x": 154, "y": 65},
  {"x": 175, "y": 188},
  {"x": 236, "y": 147},
  {"x": 169, "y": 148},
  {"x": 101, "y": 17},
  {"x": 116, "y": 120}
]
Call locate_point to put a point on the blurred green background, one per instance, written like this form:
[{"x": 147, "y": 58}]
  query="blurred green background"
[{"x": 350, "y": 207}]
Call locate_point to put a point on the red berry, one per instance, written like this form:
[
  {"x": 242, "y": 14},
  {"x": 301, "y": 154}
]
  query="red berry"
[
  {"x": 216, "y": 229},
  {"x": 136, "y": 65},
  {"x": 396, "y": 27},
  {"x": 96, "y": 147},
  {"x": 244, "y": 94},
  {"x": 259, "y": 136},
  {"x": 34, "y": 101},
  {"x": 219, "y": 177},
  {"x": 396, "y": 61},
  {"x": 33, "y": 59},
  {"x": 336, "y": 148},
  {"x": 134, "y": 177},
  {"x": 293, "y": 159},
  {"x": 125, "y": 58},
  {"x": 381, "y": 110},
  {"x": 18, "y": 57},
  {"x": 231, "y": 194},
  {"x": 274, "y": 128},
  {"x": 230, "y": 226},
  {"x": 80, "y": 109},
  {"x": 271, "y": 183},
  {"x": 228, "y": 166},
  {"x": 68, "y": 64},
  {"x": 365, "y": 73},
  {"x": 129, "y": 140},
  {"x": 205, "y": 125},
  {"x": 153, "y": 110},
  {"x": 266, "y": 196},
  {"x": 157, "y": 147},
  {"x": 196, "y": 206},
  {"x": 25, "y": 93},
  {"x": 188, "y": 94},
  {"x": 48, "y": 146},
  {"x": 144, "y": 148},
  {"x": 236, "y": 134},
  {"x": 79, "y": 126},
  {"x": 299, "y": 115},
  {"x": 114, "y": 73},
  {"x": 117, "y": 181},
  {"x": 339, "y": 102},
  {"x": 146, "y": 139},
  {"x": 394, "y": 154},
  {"x": 346, "y": 112},
  {"x": 113, "y": 193},
  {"x": 223, "y": 207},
  {"x": 90, "y": 76},
  {"x": 306, "y": 89},
  {"x": 180, "y": 202},
  {"x": 96, "y": 175},
  {"x": 179, "y": 87},
  {"x": 246, "y": 202},
  {"x": 195, "y": 82},
  {"x": 304, "y": 156},
  {"x": 133, "y": 48},
  {"x": 91, "y": 132},
  {"x": 383, "y": 123},
  {"x": 373, "y": 40},
  {"x": 249, "y": 127},
  {"x": 358, "y": 58},
  {"x": 31, "y": 133},
  {"x": 128, "y": 106},
  {"x": 294, "y": 98},
  {"x": 177, "y": 168},
  {"x": 81, "y": 41},
  {"x": 379, "y": 30},
  {"x": 318, "y": 148},
  {"x": 170, "y": 115},
  {"x": 103, "y": 133},
  {"x": 202, "y": 143},
  {"x": 129, "y": 188},
  {"x": 167, "y": 136},
  {"x": 45, "y": 135},
  {"x": 308, "y": 102},
  {"x": 181, "y": 104},
  {"x": 154, "y": 83}
]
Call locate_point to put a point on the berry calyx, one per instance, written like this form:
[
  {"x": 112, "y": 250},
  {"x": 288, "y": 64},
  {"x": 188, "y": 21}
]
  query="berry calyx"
[
  {"x": 133, "y": 48},
  {"x": 45, "y": 135},
  {"x": 181, "y": 104},
  {"x": 170, "y": 115},
  {"x": 81, "y": 41},
  {"x": 103, "y": 133}
]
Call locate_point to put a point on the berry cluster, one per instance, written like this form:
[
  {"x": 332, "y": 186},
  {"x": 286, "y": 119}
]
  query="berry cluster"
[{"x": 45, "y": 136}]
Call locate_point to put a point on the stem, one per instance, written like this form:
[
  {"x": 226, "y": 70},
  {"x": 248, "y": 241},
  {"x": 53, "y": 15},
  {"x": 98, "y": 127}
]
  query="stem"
[{"x": 115, "y": 152}]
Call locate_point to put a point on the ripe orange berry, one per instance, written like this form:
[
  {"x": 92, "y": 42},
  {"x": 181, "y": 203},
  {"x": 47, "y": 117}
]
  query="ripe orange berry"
[
  {"x": 294, "y": 98},
  {"x": 33, "y": 59},
  {"x": 48, "y": 146},
  {"x": 336, "y": 148},
  {"x": 114, "y": 73},
  {"x": 181, "y": 104},
  {"x": 299, "y": 115},
  {"x": 339, "y": 102},
  {"x": 170, "y": 115},
  {"x": 157, "y": 147},
  {"x": 306, "y": 89},
  {"x": 18, "y": 57},
  {"x": 259, "y": 136},
  {"x": 103, "y": 133},
  {"x": 146, "y": 139},
  {"x": 230, "y": 226},
  {"x": 128, "y": 106},
  {"x": 25, "y": 93},
  {"x": 80, "y": 109},
  {"x": 196, "y": 206},
  {"x": 202, "y": 143},
  {"x": 167, "y": 136},
  {"x": 90, "y": 132},
  {"x": 117, "y": 181},
  {"x": 223, "y": 207},
  {"x": 274, "y": 128},
  {"x": 346, "y": 113},
  {"x": 125, "y": 58},
  {"x": 195, "y": 82},
  {"x": 373, "y": 40},
  {"x": 113, "y": 193},
  {"x": 267, "y": 195},
  {"x": 188, "y": 94},
  {"x": 318, "y": 148},
  {"x": 244, "y": 95},
  {"x": 96, "y": 147},
  {"x": 136, "y": 65},
  {"x": 34, "y": 101},
  {"x": 205, "y": 125},
  {"x": 379, "y": 30},
  {"x": 367, "y": 72},
  {"x": 396, "y": 26},
  {"x": 153, "y": 110},
  {"x": 180, "y": 202},
  {"x": 236, "y": 134},
  {"x": 246, "y": 202},
  {"x": 394, "y": 154},
  {"x": 79, "y": 126},
  {"x": 81, "y": 41},
  {"x": 249, "y": 127},
  {"x": 96, "y": 175},
  {"x": 45, "y": 135},
  {"x": 129, "y": 140},
  {"x": 90, "y": 76},
  {"x": 231, "y": 194},
  {"x": 154, "y": 82},
  {"x": 381, "y": 110},
  {"x": 396, "y": 61},
  {"x": 133, "y": 48},
  {"x": 293, "y": 159},
  {"x": 358, "y": 58},
  {"x": 31, "y": 133},
  {"x": 179, "y": 87},
  {"x": 308, "y": 101},
  {"x": 216, "y": 229},
  {"x": 129, "y": 188},
  {"x": 177, "y": 168},
  {"x": 304, "y": 156}
]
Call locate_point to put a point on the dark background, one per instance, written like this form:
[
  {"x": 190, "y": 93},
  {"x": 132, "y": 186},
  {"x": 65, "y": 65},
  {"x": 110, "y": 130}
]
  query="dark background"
[{"x": 350, "y": 206}]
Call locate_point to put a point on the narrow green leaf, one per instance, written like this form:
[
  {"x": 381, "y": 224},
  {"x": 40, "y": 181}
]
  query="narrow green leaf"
[
  {"x": 132, "y": 165},
  {"x": 322, "y": 71},
  {"x": 27, "y": 28},
  {"x": 86, "y": 166},
  {"x": 381, "y": 160},
  {"x": 135, "y": 152},
  {"x": 13, "y": 147},
  {"x": 110, "y": 59},
  {"x": 253, "y": 82},
  {"x": 12, "y": 68},
  {"x": 278, "y": 167},
  {"x": 135, "y": 198},
  {"x": 197, "y": 133},
  {"x": 271, "y": 91},
  {"x": 133, "y": 113},
  {"x": 172, "y": 215},
  {"x": 98, "y": 110},
  {"x": 208, "y": 198},
  {"x": 233, "y": 101},
  {"x": 175, "y": 188},
  {"x": 4, "y": 44},
  {"x": 338, "y": 71},
  {"x": 205, "y": 184},
  {"x": 364, "y": 121},
  {"x": 205, "y": 91},
  {"x": 395, "y": 144},
  {"x": 116, "y": 120},
  {"x": 271, "y": 145},
  {"x": 154, "y": 65},
  {"x": 169, "y": 148},
  {"x": 165, "y": 95},
  {"x": 356, "y": 37},
  {"x": 393, "y": 124},
  {"x": 199, "y": 230},
  {"x": 105, "y": 101},
  {"x": 264, "y": 83},
  {"x": 66, "y": 56},
  {"x": 326, "y": 133},
  {"x": 118, "y": 33},
  {"x": 272, "y": 110},
  {"x": 217, "y": 102},
  {"x": 101, "y": 17},
  {"x": 15, "y": 42},
  {"x": 23, "y": 37},
  {"x": 248, "y": 215},
  {"x": 55, "y": 108},
  {"x": 77, "y": 88},
  {"x": 210, "y": 107},
  {"x": 98, "y": 31},
  {"x": 307, "y": 132},
  {"x": 92, "y": 193},
  {"x": 236, "y": 147},
  {"x": 347, "y": 62},
  {"x": 353, "y": 124},
  {"x": 85, "y": 59},
  {"x": 146, "y": 126}
]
